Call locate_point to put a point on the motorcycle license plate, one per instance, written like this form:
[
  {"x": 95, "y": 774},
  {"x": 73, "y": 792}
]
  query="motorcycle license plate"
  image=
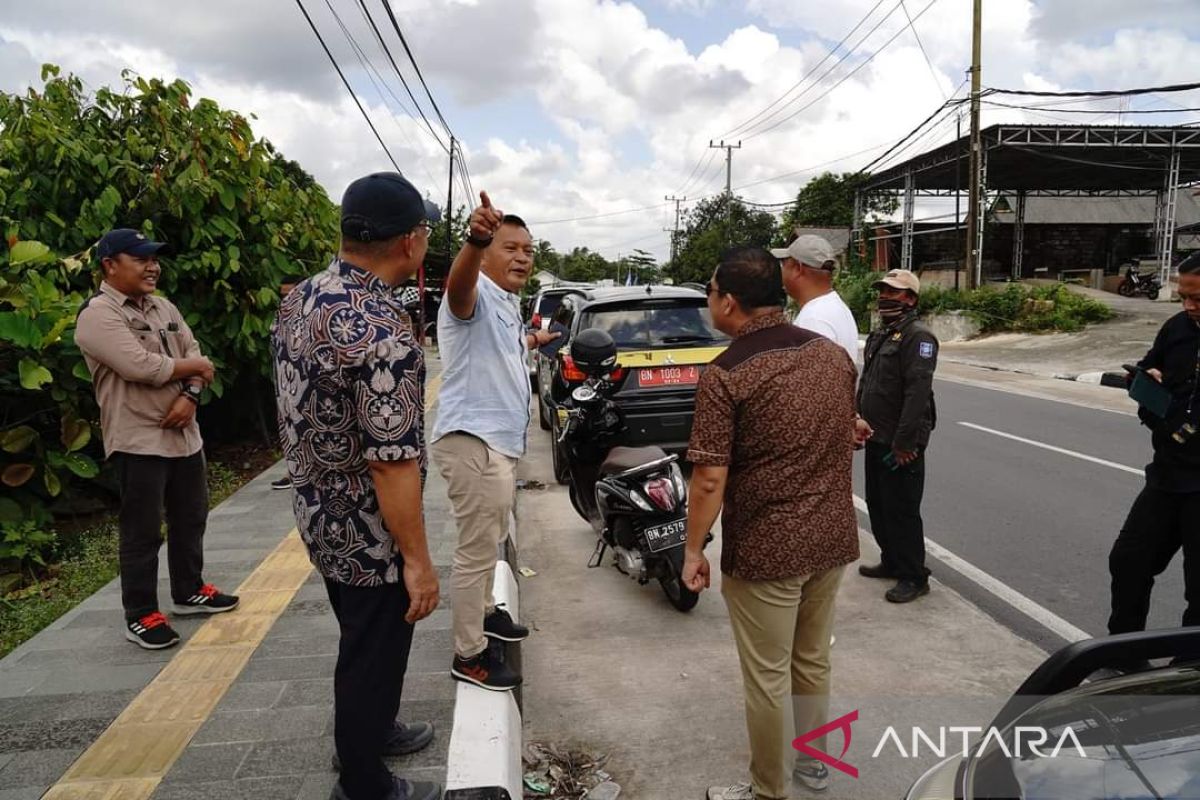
[{"x": 668, "y": 535}]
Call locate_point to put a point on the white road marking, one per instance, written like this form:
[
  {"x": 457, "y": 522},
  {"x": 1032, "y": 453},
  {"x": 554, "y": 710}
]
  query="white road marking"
[
  {"x": 1053, "y": 449},
  {"x": 1039, "y": 614}
]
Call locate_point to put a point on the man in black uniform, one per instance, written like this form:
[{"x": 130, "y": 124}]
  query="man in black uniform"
[
  {"x": 1166, "y": 515},
  {"x": 895, "y": 404}
]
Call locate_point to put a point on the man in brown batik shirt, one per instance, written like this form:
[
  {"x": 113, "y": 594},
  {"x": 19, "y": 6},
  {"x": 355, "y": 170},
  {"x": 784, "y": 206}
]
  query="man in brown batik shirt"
[{"x": 772, "y": 443}]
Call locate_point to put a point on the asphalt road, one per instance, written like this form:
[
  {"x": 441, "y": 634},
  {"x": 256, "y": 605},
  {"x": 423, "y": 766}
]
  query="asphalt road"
[{"x": 1039, "y": 521}]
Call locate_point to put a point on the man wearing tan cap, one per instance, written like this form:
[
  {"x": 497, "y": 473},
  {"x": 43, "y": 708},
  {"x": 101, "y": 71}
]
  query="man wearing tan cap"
[
  {"x": 808, "y": 264},
  {"x": 895, "y": 402}
]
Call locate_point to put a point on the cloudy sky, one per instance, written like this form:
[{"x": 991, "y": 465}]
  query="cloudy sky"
[{"x": 573, "y": 113}]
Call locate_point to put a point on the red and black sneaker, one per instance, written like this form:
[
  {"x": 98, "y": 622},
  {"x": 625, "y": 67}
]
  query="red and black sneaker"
[
  {"x": 151, "y": 632},
  {"x": 485, "y": 671},
  {"x": 207, "y": 600}
]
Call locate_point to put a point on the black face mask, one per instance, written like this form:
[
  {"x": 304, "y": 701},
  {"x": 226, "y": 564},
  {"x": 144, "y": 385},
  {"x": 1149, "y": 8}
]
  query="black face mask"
[{"x": 892, "y": 310}]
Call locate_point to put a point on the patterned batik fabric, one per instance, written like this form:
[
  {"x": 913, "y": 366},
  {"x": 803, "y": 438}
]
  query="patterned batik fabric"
[{"x": 350, "y": 388}]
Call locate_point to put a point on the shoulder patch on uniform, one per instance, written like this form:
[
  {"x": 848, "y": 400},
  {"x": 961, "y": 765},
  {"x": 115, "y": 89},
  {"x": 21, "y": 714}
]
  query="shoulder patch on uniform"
[{"x": 926, "y": 350}]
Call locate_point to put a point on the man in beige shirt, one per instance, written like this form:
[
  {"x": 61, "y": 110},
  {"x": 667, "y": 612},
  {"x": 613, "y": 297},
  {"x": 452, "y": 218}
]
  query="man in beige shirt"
[{"x": 147, "y": 372}]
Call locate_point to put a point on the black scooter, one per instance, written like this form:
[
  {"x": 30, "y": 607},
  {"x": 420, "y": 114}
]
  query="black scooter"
[
  {"x": 1136, "y": 283},
  {"x": 634, "y": 498}
]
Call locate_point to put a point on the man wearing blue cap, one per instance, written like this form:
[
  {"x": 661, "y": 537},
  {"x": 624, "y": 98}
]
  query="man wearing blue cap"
[
  {"x": 350, "y": 389},
  {"x": 148, "y": 372}
]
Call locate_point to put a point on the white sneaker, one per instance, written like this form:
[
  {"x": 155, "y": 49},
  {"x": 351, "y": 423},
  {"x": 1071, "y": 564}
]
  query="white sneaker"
[
  {"x": 813, "y": 775},
  {"x": 739, "y": 791}
]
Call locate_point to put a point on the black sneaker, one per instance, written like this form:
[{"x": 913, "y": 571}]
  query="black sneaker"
[
  {"x": 499, "y": 625},
  {"x": 207, "y": 600},
  {"x": 875, "y": 571},
  {"x": 485, "y": 672},
  {"x": 906, "y": 591},
  {"x": 151, "y": 632},
  {"x": 402, "y": 741},
  {"x": 401, "y": 790},
  {"x": 281, "y": 483}
]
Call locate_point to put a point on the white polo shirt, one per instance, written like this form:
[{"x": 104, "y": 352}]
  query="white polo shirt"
[
  {"x": 485, "y": 385},
  {"x": 829, "y": 316}
]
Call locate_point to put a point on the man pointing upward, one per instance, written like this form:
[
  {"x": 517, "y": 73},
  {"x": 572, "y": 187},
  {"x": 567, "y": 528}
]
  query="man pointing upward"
[{"x": 479, "y": 433}]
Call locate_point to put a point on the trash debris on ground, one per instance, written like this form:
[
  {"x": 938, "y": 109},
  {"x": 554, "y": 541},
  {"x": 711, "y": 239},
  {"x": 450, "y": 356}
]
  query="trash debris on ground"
[
  {"x": 524, "y": 485},
  {"x": 562, "y": 773},
  {"x": 527, "y": 572}
]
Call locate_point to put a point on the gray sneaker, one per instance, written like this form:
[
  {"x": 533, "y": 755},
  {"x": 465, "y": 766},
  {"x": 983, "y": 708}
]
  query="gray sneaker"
[
  {"x": 738, "y": 791},
  {"x": 812, "y": 775}
]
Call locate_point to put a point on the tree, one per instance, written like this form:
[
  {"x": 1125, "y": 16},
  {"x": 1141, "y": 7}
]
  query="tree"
[
  {"x": 827, "y": 201},
  {"x": 239, "y": 217},
  {"x": 710, "y": 228},
  {"x": 581, "y": 264}
]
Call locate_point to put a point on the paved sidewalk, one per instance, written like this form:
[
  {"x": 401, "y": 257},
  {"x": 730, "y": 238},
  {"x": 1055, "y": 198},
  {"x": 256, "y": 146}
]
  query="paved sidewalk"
[{"x": 269, "y": 735}]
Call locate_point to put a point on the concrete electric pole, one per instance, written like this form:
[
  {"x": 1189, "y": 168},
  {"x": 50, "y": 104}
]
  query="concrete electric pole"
[
  {"x": 728, "y": 148},
  {"x": 674, "y": 231},
  {"x": 974, "y": 223}
]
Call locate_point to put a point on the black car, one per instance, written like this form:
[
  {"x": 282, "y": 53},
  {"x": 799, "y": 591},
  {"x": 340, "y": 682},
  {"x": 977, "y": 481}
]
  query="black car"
[
  {"x": 1134, "y": 731},
  {"x": 665, "y": 338}
]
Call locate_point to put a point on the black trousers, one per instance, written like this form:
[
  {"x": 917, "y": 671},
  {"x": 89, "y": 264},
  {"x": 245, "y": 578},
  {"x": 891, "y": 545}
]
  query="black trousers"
[
  {"x": 894, "y": 505},
  {"x": 372, "y": 660},
  {"x": 150, "y": 485},
  {"x": 1159, "y": 525}
]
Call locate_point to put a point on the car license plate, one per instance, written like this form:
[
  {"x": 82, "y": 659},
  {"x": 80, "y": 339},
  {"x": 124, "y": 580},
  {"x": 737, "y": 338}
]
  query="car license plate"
[
  {"x": 666, "y": 536},
  {"x": 669, "y": 376}
]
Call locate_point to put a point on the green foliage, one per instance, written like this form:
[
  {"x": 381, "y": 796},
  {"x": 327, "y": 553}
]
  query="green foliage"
[
  {"x": 710, "y": 228},
  {"x": 238, "y": 215},
  {"x": 828, "y": 201},
  {"x": 26, "y": 542}
]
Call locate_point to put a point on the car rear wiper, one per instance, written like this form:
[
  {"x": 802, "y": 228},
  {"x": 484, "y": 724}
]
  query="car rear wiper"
[{"x": 682, "y": 339}]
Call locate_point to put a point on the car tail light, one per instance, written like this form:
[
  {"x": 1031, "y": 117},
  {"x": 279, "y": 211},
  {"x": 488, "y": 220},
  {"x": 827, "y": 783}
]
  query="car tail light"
[
  {"x": 617, "y": 374},
  {"x": 662, "y": 493},
  {"x": 536, "y": 322},
  {"x": 570, "y": 372}
]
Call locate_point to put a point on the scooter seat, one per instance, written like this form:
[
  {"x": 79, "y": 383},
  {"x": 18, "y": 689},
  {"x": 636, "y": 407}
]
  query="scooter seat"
[{"x": 621, "y": 459}]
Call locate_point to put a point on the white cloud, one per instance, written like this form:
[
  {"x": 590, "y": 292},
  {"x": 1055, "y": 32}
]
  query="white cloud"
[{"x": 571, "y": 108}]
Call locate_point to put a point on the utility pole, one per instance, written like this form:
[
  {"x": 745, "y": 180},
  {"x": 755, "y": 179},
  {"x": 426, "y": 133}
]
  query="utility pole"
[
  {"x": 974, "y": 256},
  {"x": 728, "y": 148},
  {"x": 449, "y": 245},
  {"x": 675, "y": 231}
]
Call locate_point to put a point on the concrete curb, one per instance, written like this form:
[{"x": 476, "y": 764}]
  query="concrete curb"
[{"x": 484, "y": 762}]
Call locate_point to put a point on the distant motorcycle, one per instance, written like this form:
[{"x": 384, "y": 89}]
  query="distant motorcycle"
[
  {"x": 634, "y": 497},
  {"x": 1135, "y": 283}
]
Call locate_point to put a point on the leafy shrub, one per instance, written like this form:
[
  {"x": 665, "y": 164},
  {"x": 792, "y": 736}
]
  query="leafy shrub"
[{"x": 239, "y": 216}]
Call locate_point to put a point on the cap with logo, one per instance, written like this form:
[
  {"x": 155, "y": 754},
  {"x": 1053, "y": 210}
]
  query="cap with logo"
[
  {"x": 127, "y": 240},
  {"x": 382, "y": 205},
  {"x": 900, "y": 279},
  {"x": 811, "y": 251}
]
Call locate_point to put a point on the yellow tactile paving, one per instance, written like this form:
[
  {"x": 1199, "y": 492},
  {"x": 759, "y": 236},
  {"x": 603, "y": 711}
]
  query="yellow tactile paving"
[
  {"x": 139, "y": 789},
  {"x": 129, "y": 759},
  {"x": 138, "y": 749}
]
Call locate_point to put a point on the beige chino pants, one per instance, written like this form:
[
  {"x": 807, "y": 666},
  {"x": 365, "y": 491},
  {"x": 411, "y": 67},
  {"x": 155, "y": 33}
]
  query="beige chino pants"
[
  {"x": 481, "y": 484},
  {"x": 782, "y": 632}
]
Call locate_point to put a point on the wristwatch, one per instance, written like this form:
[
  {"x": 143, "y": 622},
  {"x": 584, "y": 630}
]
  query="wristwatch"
[
  {"x": 477, "y": 242},
  {"x": 192, "y": 392}
]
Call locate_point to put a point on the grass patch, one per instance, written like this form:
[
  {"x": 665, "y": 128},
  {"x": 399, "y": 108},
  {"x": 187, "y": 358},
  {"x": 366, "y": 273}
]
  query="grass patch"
[
  {"x": 1013, "y": 307},
  {"x": 89, "y": 561}
]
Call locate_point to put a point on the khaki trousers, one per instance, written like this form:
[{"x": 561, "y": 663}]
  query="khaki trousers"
[
  {"x": 782, "y": 632},
  {"x": 482, "y": 488}
]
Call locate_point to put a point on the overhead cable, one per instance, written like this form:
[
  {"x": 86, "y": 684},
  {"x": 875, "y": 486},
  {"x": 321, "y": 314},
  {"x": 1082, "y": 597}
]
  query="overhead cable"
[{"x": 346, "y": 83}]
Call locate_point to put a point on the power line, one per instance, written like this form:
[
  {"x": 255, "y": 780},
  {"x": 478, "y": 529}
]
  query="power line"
[
  {"x": 346, "y": 83},
  {"x": 369, "y": 67},
  {"x": 911, "y": 133},
  {"x": 924, "y": 52},
  {"x": 704, "y": 160},
  {"x": 810, "y": 73},
  {"x": 1105, "y": 111},
  {"x": 396, "y": 25},
  {"x": 387, "y": 51},
  {"x": 1178, "y": 87},
  {"x": 750, "y": 133},
  {"x": 847, "y": 77}
]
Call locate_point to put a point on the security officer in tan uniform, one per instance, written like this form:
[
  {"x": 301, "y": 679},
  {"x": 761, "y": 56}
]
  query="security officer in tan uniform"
[
  {"x": 897, "y": 414},
  {"x": 148, "y": 372}
]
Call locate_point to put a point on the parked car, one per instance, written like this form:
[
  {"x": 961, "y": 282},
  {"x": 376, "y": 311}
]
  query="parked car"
[
  {"x": 665, "y": 338},
  {"x": 540, "y": 310},
  {"x": 1138, "y": 730}
]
